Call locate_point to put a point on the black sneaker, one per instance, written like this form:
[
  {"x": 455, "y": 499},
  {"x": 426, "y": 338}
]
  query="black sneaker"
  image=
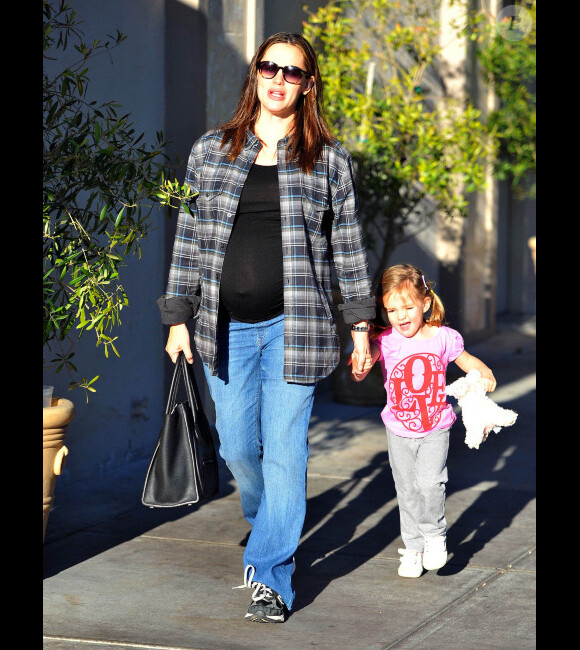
[{"x": 267, "y": 605}]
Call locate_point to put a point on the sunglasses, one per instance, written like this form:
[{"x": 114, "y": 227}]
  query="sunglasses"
[{"x": 291, "y": 73}]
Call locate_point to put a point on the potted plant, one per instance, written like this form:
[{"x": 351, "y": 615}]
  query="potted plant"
[
  {"x": 57, "y": 415},
  {"x": 100, "y": 183}
]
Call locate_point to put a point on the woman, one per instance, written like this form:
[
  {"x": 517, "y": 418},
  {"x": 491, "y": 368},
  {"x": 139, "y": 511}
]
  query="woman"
[{"x": 252, "y": 264}]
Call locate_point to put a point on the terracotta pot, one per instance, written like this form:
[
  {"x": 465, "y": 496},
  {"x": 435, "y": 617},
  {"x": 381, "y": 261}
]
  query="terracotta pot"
[
  {"x": 532, "y": 246},
  {"x": 55, "y": 421}
]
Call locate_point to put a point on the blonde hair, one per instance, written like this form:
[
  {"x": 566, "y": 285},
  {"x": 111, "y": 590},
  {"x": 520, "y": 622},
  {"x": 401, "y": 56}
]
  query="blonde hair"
[{"x": 408, "y": 278}]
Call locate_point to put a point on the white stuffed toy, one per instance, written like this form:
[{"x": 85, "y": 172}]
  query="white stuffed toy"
[{"x": 479, "y": 413}]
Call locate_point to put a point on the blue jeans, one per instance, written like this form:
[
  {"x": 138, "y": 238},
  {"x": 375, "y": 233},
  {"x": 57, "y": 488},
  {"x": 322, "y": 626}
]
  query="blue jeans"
[{"x": 262, "y": 422}]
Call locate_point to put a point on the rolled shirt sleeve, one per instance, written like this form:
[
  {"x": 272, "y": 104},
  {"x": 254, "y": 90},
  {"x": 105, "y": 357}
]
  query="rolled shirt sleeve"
[{"x": 358, "y": 310}]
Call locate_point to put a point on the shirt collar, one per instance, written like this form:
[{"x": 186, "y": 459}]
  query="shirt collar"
[{"x": 252, "y": 140}]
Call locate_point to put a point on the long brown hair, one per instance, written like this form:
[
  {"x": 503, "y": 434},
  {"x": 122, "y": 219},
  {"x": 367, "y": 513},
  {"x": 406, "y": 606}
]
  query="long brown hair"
[
  {"x": 310, "y": 131},
  {"x": 407, "y": 278}
]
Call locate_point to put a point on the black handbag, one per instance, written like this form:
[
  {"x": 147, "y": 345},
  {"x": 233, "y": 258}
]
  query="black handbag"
[{"x": 183, "y": 469}]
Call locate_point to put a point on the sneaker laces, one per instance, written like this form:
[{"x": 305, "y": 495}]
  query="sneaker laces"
[
  {"x": 262, "y": 592},
  {"x": 249, "y": 573}
]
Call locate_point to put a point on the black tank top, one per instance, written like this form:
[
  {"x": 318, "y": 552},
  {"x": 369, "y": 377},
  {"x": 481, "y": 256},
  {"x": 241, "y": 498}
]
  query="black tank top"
[{"x": 252, "y": 287}]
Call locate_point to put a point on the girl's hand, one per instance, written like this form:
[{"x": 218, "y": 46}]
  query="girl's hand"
[
  {"x": 468, "y": 362},
  {"x": 489, "y": 382},
  {"x": 356, "y": 372},
  {"x": 360, "y": 364},
  {"x": 361, "y": 360}
]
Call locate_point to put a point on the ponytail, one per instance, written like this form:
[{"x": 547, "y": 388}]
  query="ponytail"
[{"x": 436, "y": 313}]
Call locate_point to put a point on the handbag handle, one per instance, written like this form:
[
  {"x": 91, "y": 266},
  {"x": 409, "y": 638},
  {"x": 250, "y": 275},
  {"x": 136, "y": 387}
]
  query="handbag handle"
[{"x": 182, "y": 368}]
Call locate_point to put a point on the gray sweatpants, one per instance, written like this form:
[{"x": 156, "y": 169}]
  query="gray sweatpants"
[{"x": 419, "y": 467}]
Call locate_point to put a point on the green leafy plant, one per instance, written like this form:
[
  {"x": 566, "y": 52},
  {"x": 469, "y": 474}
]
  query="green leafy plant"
[
  {"x": 416, "y": 151},
  {"x": 100, "y": 183},
  {"x": 509, "y": 65}
]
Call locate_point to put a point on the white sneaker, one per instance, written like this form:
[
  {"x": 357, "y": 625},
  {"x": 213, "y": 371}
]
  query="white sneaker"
[
  {"x": 411, "y": 563},
  {"x": 435, "y": 552}
]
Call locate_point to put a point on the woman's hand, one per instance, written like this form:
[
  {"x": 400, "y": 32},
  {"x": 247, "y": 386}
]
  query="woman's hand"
[
  {"x": 355, "y": 373},
  {"x": 361, "y": 355},
  {"x": 178, "y": 341}
]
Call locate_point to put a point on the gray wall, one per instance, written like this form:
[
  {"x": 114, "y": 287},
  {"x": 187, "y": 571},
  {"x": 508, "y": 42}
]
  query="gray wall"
[{"x": 120, "y": 422}]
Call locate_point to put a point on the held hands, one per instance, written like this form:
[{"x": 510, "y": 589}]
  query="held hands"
[
  {"x": 359, "y": 371},
  {"x": 178, "y": 341},
  {"x": 360, "y": 360}
]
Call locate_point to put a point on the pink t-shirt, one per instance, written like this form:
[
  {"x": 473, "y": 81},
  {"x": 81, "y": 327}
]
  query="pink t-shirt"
[{"x": 414, "y": 374}]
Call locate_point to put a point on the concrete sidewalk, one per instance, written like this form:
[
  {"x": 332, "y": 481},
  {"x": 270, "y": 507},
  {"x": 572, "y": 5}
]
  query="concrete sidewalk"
[{"x": 119, "y": 575}]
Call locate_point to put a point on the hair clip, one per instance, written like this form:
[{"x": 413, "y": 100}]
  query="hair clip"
[{"x": 425, "y": 285}]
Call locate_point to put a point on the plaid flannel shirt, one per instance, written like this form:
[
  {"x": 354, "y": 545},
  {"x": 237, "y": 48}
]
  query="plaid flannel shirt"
[{"x": 320, "y": 226}]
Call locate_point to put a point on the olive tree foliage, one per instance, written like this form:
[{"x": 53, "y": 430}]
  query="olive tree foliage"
[
  {"x": 416, "y": 151},
  {"x": 507, "y": 52},
  {"x": 100, "y": 183}
]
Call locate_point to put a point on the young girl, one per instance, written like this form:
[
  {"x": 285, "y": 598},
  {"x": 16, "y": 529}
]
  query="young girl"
[{"x": 414, "y": 349}]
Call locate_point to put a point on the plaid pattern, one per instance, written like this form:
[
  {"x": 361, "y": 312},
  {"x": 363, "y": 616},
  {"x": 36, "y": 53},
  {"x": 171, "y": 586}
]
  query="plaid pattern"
[{"x": 319, "y": 217}]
